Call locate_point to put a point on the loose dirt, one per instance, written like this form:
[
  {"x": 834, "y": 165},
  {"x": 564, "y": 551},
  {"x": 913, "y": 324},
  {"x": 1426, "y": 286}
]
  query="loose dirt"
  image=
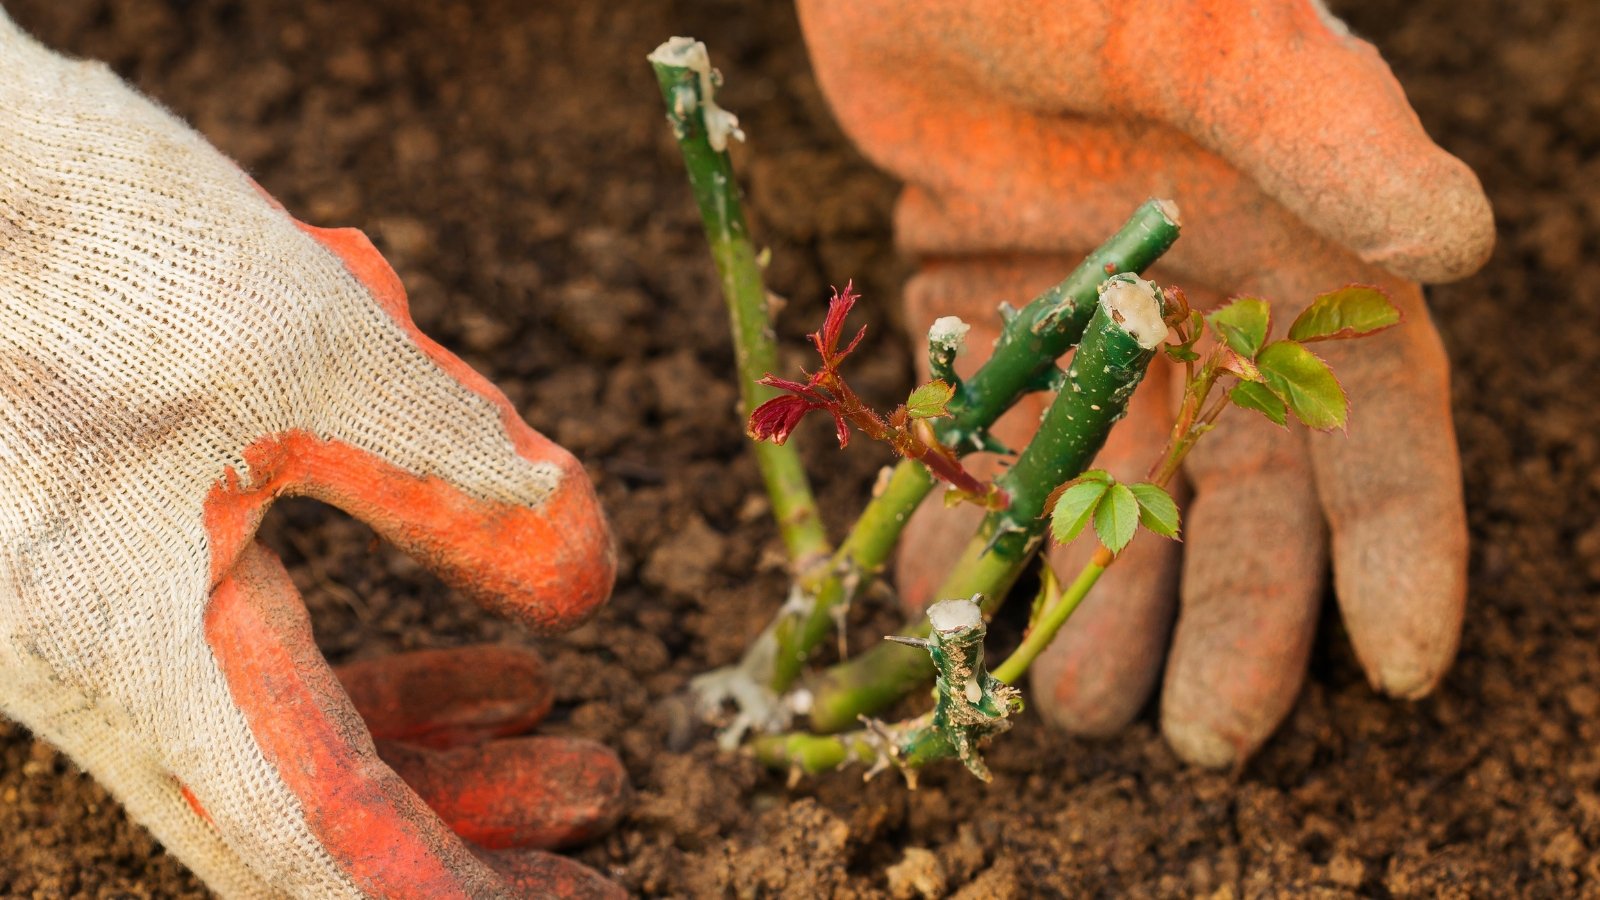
[{"x": 511, "y": 160}]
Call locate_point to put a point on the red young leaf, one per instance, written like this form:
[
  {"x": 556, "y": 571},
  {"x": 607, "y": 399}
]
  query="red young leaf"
[
  {"x": 827, "y": 340},
  {"x": 776, "y": 419},
  {"x": 840, "y": 426},
  {"x": 906, "y": 429},
  {"x": 808, "y": 391}
]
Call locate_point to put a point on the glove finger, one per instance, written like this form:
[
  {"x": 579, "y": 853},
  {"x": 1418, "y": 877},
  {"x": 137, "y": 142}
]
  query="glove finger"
[
  {"x": 360, "y": 816},
  {"x": 1099, "y": 671},
  {"x": 1310, "y": 113},
  {"x": 1014, "y": 129},
  {"x": 1254, "y": 558},
  {"x": 534, "y": 873},
  {"x": 1008, "y": 197},
  {"x": 443, "y": 698},
  {"x": 1391, "y": 489},
  {"x": 539, "y": 792},
  {"x": 435, "y": 459}
]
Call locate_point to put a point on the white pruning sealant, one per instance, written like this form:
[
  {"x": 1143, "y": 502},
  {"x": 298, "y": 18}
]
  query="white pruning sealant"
[{"x": 688, "y": 53}]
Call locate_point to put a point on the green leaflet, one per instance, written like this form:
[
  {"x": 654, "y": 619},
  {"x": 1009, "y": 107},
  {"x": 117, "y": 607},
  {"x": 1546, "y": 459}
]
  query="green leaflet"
[
  {"x": 930, "y": 400},
  {"x": 1349, "y": 312},
  {"x": 1258, "y": 397},
  {"x": 1157, "y": 510},
  {"x": 1075, "y": 508},
  {"x": 1243, "y": 324},
  {"x": 1304, "y": 383},
  {"x": 1116, "y": 517}
]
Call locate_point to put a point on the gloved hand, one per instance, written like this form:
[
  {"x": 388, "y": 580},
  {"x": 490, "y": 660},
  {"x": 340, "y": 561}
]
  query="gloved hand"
[
  {"x": 175, "y": 353},
  {"x": 1026, "y": 132}
]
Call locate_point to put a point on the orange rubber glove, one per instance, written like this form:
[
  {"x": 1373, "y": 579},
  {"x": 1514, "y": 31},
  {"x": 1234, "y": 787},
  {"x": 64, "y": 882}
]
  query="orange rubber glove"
[
  {"x": 175, "y": 353},
  {"x": 1025, "y": 132}
]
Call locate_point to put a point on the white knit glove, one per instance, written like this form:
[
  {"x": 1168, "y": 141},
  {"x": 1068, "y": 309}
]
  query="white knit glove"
[{"x": 175, "y": 352}]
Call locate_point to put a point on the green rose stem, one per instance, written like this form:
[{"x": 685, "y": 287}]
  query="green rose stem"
[
  {"x": 702, "y": 129},
  {"x": 1110, "y": 361},
  {"x": 1194, "y": 420},
  {"x": 972, "y": 706},
  {"x": 907, "y": 745},
  {"x": 1023, "y": 361},
  {"x": 1350, "y": 312},
  {"x": 809, "y": 754},
  {"x": 1055, "y": 615}
]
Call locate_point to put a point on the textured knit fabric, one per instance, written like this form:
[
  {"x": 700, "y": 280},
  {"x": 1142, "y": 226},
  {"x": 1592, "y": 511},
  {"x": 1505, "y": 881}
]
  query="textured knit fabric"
[{"x": 157, "y": 316}]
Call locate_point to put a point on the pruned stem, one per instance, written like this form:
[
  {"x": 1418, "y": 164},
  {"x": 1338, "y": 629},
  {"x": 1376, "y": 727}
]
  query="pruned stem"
[
  {"x": 1107, "y": 367},
  {"x": 1194, "y": 420},
  {"x": 1024, "y": 357},
  {"x": 687, "y": 85},
  {"x": 810, "y": 754},
  {"x": 972, "y": 706},
  {"x": 1032, "y": 340},
  {"x": 860, "y": 556},
  {"x": 907, "y": 746}
]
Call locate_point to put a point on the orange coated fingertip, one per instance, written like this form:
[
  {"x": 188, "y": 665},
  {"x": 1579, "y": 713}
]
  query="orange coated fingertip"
[
  {"x": 539, "y": 792},
  {"x": 548, "y": 567},
  {"x": 535, "y": 873},
  {"x": 314, "y": 742},
  {"x": 449, "y": 697}
]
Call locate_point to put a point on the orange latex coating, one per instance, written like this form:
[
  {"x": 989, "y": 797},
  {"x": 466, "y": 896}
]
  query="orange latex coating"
[
  {"x": 535, "y": 873},
  {"x": 548, "y": 568},
  {"x": 1025, "y": 132},
  {"x": 194, "y": 802},
  {"x": 537, "y": 792},
  {"x": 383, "y": 836},
  {"x": 1021, "y": 125},
  {"x": 446, "y": 698}
]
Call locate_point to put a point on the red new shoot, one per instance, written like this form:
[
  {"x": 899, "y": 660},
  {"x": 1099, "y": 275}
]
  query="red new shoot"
[{"x": 906, "y": 429}]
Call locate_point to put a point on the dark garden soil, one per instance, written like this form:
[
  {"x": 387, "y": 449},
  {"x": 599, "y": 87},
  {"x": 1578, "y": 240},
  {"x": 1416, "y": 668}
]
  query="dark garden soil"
[{"x": 510, "y": 159}]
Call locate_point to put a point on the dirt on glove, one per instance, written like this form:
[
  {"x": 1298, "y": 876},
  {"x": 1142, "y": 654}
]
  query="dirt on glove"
[{"x": 511, "y": 160}]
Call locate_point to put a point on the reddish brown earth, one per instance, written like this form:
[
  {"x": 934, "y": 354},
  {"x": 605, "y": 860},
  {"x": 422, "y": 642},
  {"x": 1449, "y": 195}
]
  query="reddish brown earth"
[{"x": 511, "y": 160}]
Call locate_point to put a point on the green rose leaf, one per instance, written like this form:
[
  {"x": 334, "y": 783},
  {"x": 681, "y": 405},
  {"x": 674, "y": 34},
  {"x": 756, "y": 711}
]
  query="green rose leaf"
[
  {"x": 1258, "y": 397},
  {"x": 1348, "y": 312},
  {"x": 1243, "y": 324},
  {"x": 1157, "y": 510},
  {"x": 930, "y": 400},
  {"x": 1074, "y": 508},
  {"x": 1116, "y": 517},
  {"x": 1304, "y": 383},
  {"x": 1096, "y": 475}
]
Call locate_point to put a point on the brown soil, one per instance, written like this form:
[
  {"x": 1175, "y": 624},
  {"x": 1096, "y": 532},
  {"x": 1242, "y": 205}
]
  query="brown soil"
[{"x": 511, "y": 160}]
